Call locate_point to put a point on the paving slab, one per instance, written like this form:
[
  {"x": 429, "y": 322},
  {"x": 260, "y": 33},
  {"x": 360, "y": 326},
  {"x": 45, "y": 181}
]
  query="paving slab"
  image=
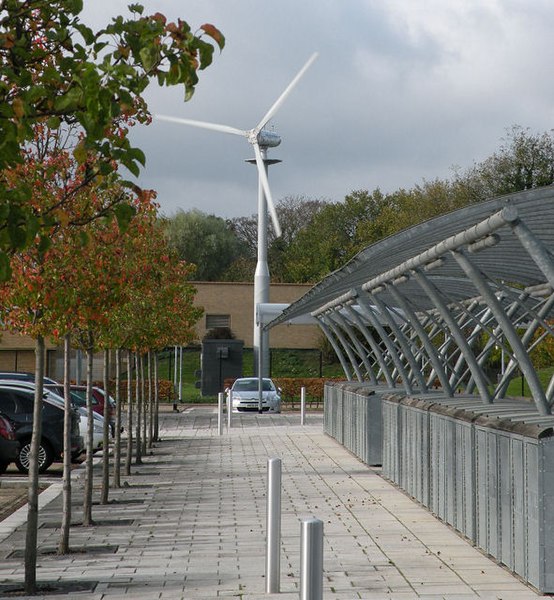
[{"x": 189, "y": 524}]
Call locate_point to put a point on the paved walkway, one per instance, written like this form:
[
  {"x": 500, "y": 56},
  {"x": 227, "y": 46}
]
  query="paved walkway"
[{"x": 190, "y": 522}]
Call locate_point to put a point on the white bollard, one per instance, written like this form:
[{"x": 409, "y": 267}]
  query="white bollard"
[
  {"x": 302, "y": 406},
  {"x": 273, "y": 527},
  {"x": 311, "y": 559},
  {"x": 220, "y": 413},
  {"x": 229, "y": 410}
]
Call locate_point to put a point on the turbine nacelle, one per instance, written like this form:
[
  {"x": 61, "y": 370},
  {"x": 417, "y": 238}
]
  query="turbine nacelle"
[{"x": 268, "y": 139}]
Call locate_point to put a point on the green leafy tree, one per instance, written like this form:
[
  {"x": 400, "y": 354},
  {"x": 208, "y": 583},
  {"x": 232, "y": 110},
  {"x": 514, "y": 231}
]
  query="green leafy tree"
[
  {"x": 55, "y": 69},
  {"x": 335, "y": 234},
  {"x": 203, "y": 240},
  {"x": 525, "y": 160}
]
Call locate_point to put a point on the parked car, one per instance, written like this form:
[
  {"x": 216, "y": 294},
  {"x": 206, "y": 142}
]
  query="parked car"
[
  {"x": 16, "y": 402},
  {"x": 55, "y": 392},
  {"x": 98, "y": 402},
  {"x": 97, "y": 426},
  {"x": 9, "y": 446},
  {"x": 24, "y": 376},
  {"x": 245, "y": 395}
]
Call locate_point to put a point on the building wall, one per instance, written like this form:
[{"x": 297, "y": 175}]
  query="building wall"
[
  {"x": 237, "y": 301},
  {"x": 17, "y": 353},
  {"x": 232, "y": 300}
]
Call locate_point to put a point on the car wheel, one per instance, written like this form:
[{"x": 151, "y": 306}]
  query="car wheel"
[
  {"x": 45, "y": 457},
  {"x": 3, "y": 467}
]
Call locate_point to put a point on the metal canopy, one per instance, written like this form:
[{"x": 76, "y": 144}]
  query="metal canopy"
[{"x": 462, "y": 285}]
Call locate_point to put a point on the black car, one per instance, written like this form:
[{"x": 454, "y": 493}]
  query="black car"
[
  {"x": 17, "y": 404},
  {"x": 24, "y": 376},
  {"x": 9, "y": 446}
]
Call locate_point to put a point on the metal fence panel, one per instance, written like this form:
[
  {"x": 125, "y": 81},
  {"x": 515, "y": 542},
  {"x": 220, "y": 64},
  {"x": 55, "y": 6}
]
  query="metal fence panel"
[
  {"x": 532, "y": 532},
  {"x": 546, "y": 468},
  {"x": 492, "y": 489},
  {"x": 491, "y": 481},
  {"x": 519, "y": 509},
  {"x": 506, "y": 493}
]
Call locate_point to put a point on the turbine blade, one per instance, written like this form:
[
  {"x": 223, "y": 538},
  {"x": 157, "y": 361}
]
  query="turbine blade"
[
  {"x": 284, "y": 95},
  {"x": 267, "y": 192},
  {"x": 203, "y": 125}
]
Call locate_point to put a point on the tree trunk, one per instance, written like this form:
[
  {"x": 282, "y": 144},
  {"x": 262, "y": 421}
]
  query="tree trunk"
[
  {"x": 129, "y": 454},
  {"x": 106, "y": 431},
  {"x": 31, "y": 536},
  {"x": 144, "y": 406},
  {"x": 139, "y": 397},
  {"x": 150, "y": 401},
  {"x": 63, "y": 546},
  {"x": 87, "y": 503},
  {"x": 117, "y": 440},
  {"x": 156, "y": 400}
]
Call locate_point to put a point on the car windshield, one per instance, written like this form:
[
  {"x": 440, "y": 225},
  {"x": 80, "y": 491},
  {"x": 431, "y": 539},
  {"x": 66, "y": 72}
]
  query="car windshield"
[{"x": 251, "y": 385}]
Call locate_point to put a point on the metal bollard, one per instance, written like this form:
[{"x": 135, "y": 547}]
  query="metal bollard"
[
  {"x": 302, "y": 406},
  {"x": 311, "y": 559},
  {"x": 273, "y": 527},
  {"x": 220, "y": 413},
  {"x": 229, "y": 410}
]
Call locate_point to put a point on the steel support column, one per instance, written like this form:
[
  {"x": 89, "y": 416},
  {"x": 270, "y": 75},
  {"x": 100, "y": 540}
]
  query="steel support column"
[
  {"x": 367, "y": 310},
  {"x": 402, "y": 341},
  {"x": 435, "y": 296},
  {"x": 362, "y": 327},
  {"x": 341, "y": 322},
  {"x": 329, "y": 332},
  {"x": 510, "y": 333},
  {"x": 422, "y": 334}
]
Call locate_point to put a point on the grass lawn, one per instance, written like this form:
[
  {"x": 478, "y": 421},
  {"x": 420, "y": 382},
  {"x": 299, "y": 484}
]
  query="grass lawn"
[{"x": 515, "y": 387}]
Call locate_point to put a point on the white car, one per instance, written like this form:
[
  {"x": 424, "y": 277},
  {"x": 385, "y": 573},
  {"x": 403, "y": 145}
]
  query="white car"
[
  {"x": 97, "y": 429},
  {"x": 245, "y": 395}
]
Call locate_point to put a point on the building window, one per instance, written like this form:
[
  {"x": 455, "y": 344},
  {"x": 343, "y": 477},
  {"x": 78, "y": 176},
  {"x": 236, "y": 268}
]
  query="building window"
[{"x": 217, "y": 321}]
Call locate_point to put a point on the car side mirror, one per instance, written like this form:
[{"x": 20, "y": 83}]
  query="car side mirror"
[{"x": 227, "y": 390}]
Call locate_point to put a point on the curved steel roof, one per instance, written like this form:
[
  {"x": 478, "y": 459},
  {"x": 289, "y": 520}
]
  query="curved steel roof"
[{"x": 505, "y": 261}]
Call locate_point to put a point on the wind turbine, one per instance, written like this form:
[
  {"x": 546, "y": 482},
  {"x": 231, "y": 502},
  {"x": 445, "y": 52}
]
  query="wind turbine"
[{"x": 261, "y": 139}]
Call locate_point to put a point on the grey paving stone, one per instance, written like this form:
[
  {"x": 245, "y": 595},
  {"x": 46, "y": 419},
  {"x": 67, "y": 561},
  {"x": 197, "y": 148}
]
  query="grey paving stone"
[{"x": 195, "y": 524}]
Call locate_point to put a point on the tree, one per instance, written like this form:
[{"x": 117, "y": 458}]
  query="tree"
[
  {"x": 295, "y": 214},
  {"x": 337, "y": 232},
  {"x": 54, "y": 68},
  {"x": 203, "y": 240},
  {"x": 524, "y": 160}
]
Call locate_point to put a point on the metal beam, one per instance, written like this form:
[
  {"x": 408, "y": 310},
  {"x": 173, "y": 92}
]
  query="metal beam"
[
  {"x": 435, "y": 296},
  {"x": 438, "y": 365},
  {"x": 511, "y": 335},
  {"x": 338, "y": 350},
  {"x": 367, "y": 310},
  {"x": 360, "y": 350}
]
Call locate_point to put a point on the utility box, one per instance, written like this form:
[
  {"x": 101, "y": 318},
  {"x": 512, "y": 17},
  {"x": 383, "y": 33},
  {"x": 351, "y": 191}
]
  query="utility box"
[{"x": 220, "y": 360}]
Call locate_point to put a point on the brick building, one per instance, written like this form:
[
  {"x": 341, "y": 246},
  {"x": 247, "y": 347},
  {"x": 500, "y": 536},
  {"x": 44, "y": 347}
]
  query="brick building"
[
  {"x": 232, "y": 305},
  {"x": 225, "y": 305}
]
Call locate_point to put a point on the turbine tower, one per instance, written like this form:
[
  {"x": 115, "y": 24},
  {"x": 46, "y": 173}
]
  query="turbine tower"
[{"x": 261, "y": 139}]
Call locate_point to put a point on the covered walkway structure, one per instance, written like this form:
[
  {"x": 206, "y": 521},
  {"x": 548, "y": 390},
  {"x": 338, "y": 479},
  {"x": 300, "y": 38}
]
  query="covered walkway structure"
[
  {"x": 413, "y": 309},
  {"x": 414, "y": 320}
]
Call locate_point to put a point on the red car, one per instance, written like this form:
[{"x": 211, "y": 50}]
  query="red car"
[{"x": 98, "y": 402}]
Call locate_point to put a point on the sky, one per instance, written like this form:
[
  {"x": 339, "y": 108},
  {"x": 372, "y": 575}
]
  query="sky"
[{"x": 402, "y": 91}]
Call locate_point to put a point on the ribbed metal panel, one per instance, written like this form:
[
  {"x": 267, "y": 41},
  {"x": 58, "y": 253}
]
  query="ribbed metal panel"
[
  {"x": 533, "y": 499},
  {"x": 490, "y": 477},
  {"x": 546, "y": 504},
  {"x": 353, "y": 417}
]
